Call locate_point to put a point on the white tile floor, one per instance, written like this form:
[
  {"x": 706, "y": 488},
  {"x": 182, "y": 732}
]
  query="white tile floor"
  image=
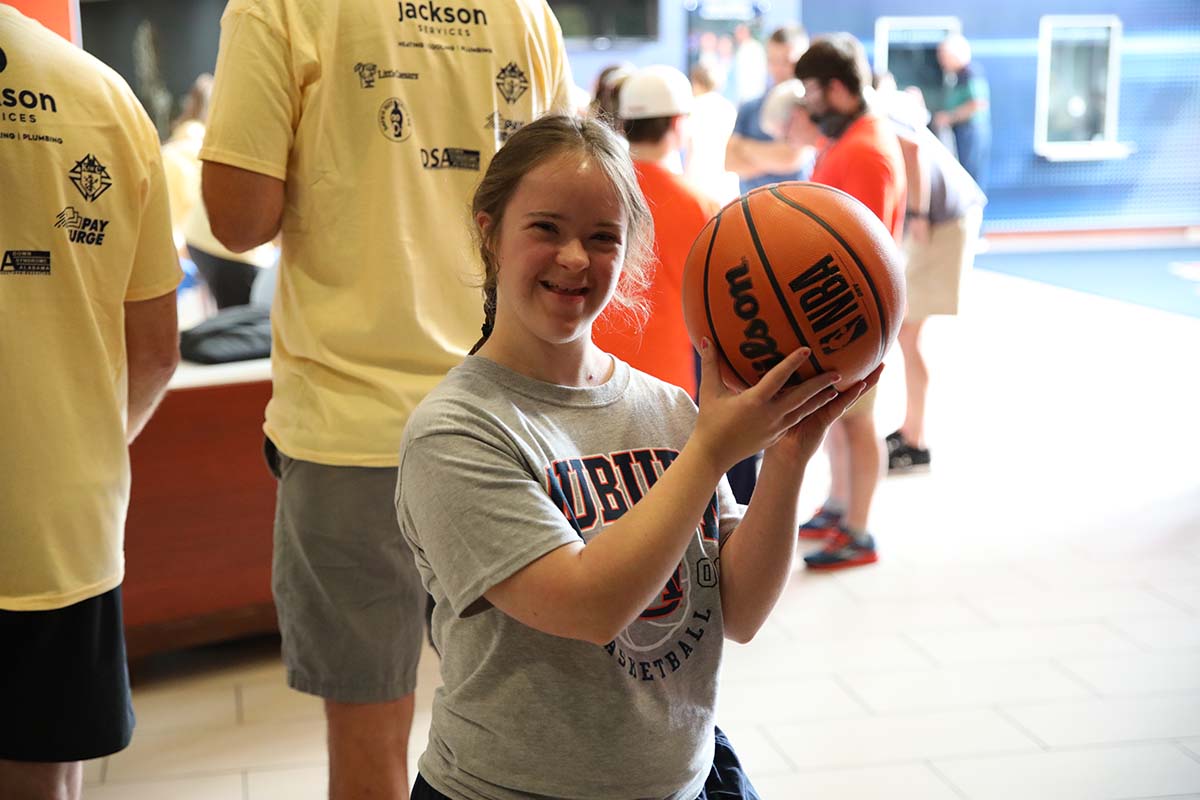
[{"x": 1031, "y": 631}]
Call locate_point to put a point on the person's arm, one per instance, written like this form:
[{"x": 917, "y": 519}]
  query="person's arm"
[
  {"x": 152, "y": 353},
  {"x": 256, "y": 108},
  {"x": 735, "y": 160},
  {"x": 916, "y": 169},
  {"x": 592, "y": 592},
  {"x": 779, "y": 157},
  {"x": 756, "y": 560},
  {"x": 959, "y": 114},
  {"x": 244, "y": 208}
]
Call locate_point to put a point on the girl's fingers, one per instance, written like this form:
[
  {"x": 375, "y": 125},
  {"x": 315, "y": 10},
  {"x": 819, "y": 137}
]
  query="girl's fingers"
[
  {"x": 711, "y": 381},
  {"x": 846, "y": 399},
  {"x": 781, "y": 373},
  {"x": 796, "y": 396},
  {"x": 810, "y": 406}
]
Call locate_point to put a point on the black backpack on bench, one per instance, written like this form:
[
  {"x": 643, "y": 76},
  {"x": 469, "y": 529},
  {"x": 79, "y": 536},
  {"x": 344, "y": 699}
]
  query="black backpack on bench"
[{"x": 238, "y": 333}]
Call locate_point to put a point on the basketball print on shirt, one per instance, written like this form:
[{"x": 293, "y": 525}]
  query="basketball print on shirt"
[{"x": 595, "y": 491}]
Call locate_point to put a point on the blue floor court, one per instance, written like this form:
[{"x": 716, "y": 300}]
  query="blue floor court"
[{"x": 1167, "y": 279}]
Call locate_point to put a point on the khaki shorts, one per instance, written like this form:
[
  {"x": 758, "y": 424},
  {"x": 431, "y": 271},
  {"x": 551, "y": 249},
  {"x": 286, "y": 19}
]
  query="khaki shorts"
[
  {"x": 936, "y": 266},
  {"x": 350, "y": 601},
  {"x": 864, "y": 404}
]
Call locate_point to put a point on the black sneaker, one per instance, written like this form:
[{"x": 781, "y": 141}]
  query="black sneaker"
[
  {"x": 906, "y": 458},
  {"x": 893, "y": 440}
]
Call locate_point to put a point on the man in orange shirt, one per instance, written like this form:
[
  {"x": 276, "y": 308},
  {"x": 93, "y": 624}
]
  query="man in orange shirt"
[
  {"x": 864, "y": 160},
  {"x": 653, "y": 105}
]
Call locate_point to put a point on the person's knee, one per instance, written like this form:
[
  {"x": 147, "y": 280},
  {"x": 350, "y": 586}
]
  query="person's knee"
[
  {"x": 859, "y": 428},
  {"x": 26, "y": 780},
  {"x": 910, "y": 334}
]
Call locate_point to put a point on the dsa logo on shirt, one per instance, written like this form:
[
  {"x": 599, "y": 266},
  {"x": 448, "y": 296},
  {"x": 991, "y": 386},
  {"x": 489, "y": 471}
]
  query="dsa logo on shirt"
[{"x": 449, "y": 158}]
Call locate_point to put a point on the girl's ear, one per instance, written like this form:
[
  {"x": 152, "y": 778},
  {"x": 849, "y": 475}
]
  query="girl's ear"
[{"x": 484, "y": 222}]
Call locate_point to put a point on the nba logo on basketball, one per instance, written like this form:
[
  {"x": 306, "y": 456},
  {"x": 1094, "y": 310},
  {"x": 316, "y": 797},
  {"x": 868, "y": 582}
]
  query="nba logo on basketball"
[{"x": 827, "y": 298}]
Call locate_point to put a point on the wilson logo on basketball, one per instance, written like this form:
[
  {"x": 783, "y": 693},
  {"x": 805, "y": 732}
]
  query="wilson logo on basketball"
[
  {"x": 827, "y": 300},
  {"x": 757, "y": 343}
]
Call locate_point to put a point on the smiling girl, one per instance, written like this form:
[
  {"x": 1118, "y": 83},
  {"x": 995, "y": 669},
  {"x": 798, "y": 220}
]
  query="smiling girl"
[{"x": 583, "y": 588}]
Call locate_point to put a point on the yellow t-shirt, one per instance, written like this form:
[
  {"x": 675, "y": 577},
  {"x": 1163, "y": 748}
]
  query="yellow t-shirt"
[
  {"x": 84, "y": 228},
  {"x": 381, "y": 118}
]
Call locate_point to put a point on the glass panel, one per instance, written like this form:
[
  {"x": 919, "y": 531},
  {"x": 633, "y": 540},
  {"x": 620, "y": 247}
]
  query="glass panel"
[
  {"x": 912, "y": 60},
  {"x": 1078, "y": 84},
  {"x": 626, "y": 19}
]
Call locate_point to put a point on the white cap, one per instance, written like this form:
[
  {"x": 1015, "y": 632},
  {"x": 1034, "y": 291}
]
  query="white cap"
[
  {"x": 778, "y": 105},
  {"x": 657, "y": 91}
]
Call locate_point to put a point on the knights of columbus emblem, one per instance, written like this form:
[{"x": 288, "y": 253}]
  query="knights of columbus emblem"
[{"x": 90, "y": 177}]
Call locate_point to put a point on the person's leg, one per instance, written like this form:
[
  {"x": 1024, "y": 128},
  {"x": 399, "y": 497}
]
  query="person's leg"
[
  {"x": 836, "y": 446},
  {"x": 421, "y": 790},
  {"x": 865, "y": 460},
  {"x": 727, "y": 780},
  {"x": 350, "y": 605},
  {"x": 742, "y": 478},
  {"x": 861, "y": 460},
  {"x": 229, "y": 282},
  {"x": 825, "y": 520},
  {"x": 65, "y": 696},
  {"x": 916, "y": 383},
  {"x": 29, "y": 780},
  {"x": 364, "y": 741}
]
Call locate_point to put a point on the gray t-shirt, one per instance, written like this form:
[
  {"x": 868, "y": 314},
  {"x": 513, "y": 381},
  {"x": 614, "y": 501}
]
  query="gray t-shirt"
[
  {"x": 498, "y": 469},
  {"x": 953, "y": 193}
]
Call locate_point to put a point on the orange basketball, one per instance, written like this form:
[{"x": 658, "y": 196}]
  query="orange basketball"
[{"x": 795, "y": 265}]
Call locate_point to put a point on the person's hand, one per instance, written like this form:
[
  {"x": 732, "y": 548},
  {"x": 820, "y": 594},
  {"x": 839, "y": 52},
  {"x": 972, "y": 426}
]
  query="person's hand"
[
  {"x": 942, "y": 119},
  {"x": 804, "y": 437},
  {"x": 736, "y": 421},
  {"x": 918, "y": 229}
]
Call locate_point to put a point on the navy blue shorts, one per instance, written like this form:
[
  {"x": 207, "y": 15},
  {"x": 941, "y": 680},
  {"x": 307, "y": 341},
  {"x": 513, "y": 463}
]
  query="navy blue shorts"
[
  {"x": 65, "y": 694},
  {"x": 726, "y": 781}
]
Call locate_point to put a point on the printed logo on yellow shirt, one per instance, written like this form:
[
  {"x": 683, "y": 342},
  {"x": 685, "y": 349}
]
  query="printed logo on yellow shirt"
[
  {"x": 28, "y": 101},
  {"x": 81, "y": 229},
  {"x": 90, "y": 177},
  {"x": 449, "y": 158},
  {"x": 3, "y": 60},
  {"x": 25, "y": 262},
  {"x": 512, "y": 83},
  {"x": 394, "y": 120},
  {"x": 502, "y": 125},
  {"x": 369, "y": 72},
  {"x": 442, "y": 15}
]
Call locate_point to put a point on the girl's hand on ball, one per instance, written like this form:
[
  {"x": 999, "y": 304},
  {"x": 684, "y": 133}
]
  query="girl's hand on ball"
[
  {"x": 811, "y": 420},
  {"x": 736, "y": 422}
]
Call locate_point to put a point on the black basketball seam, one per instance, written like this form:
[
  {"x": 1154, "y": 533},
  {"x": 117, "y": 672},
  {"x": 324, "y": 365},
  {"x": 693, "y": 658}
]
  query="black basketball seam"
[
  {"x": 779, "y": 295},
  {"x": 883, "y": 325},
  {"x": 712, "y": 329}
]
